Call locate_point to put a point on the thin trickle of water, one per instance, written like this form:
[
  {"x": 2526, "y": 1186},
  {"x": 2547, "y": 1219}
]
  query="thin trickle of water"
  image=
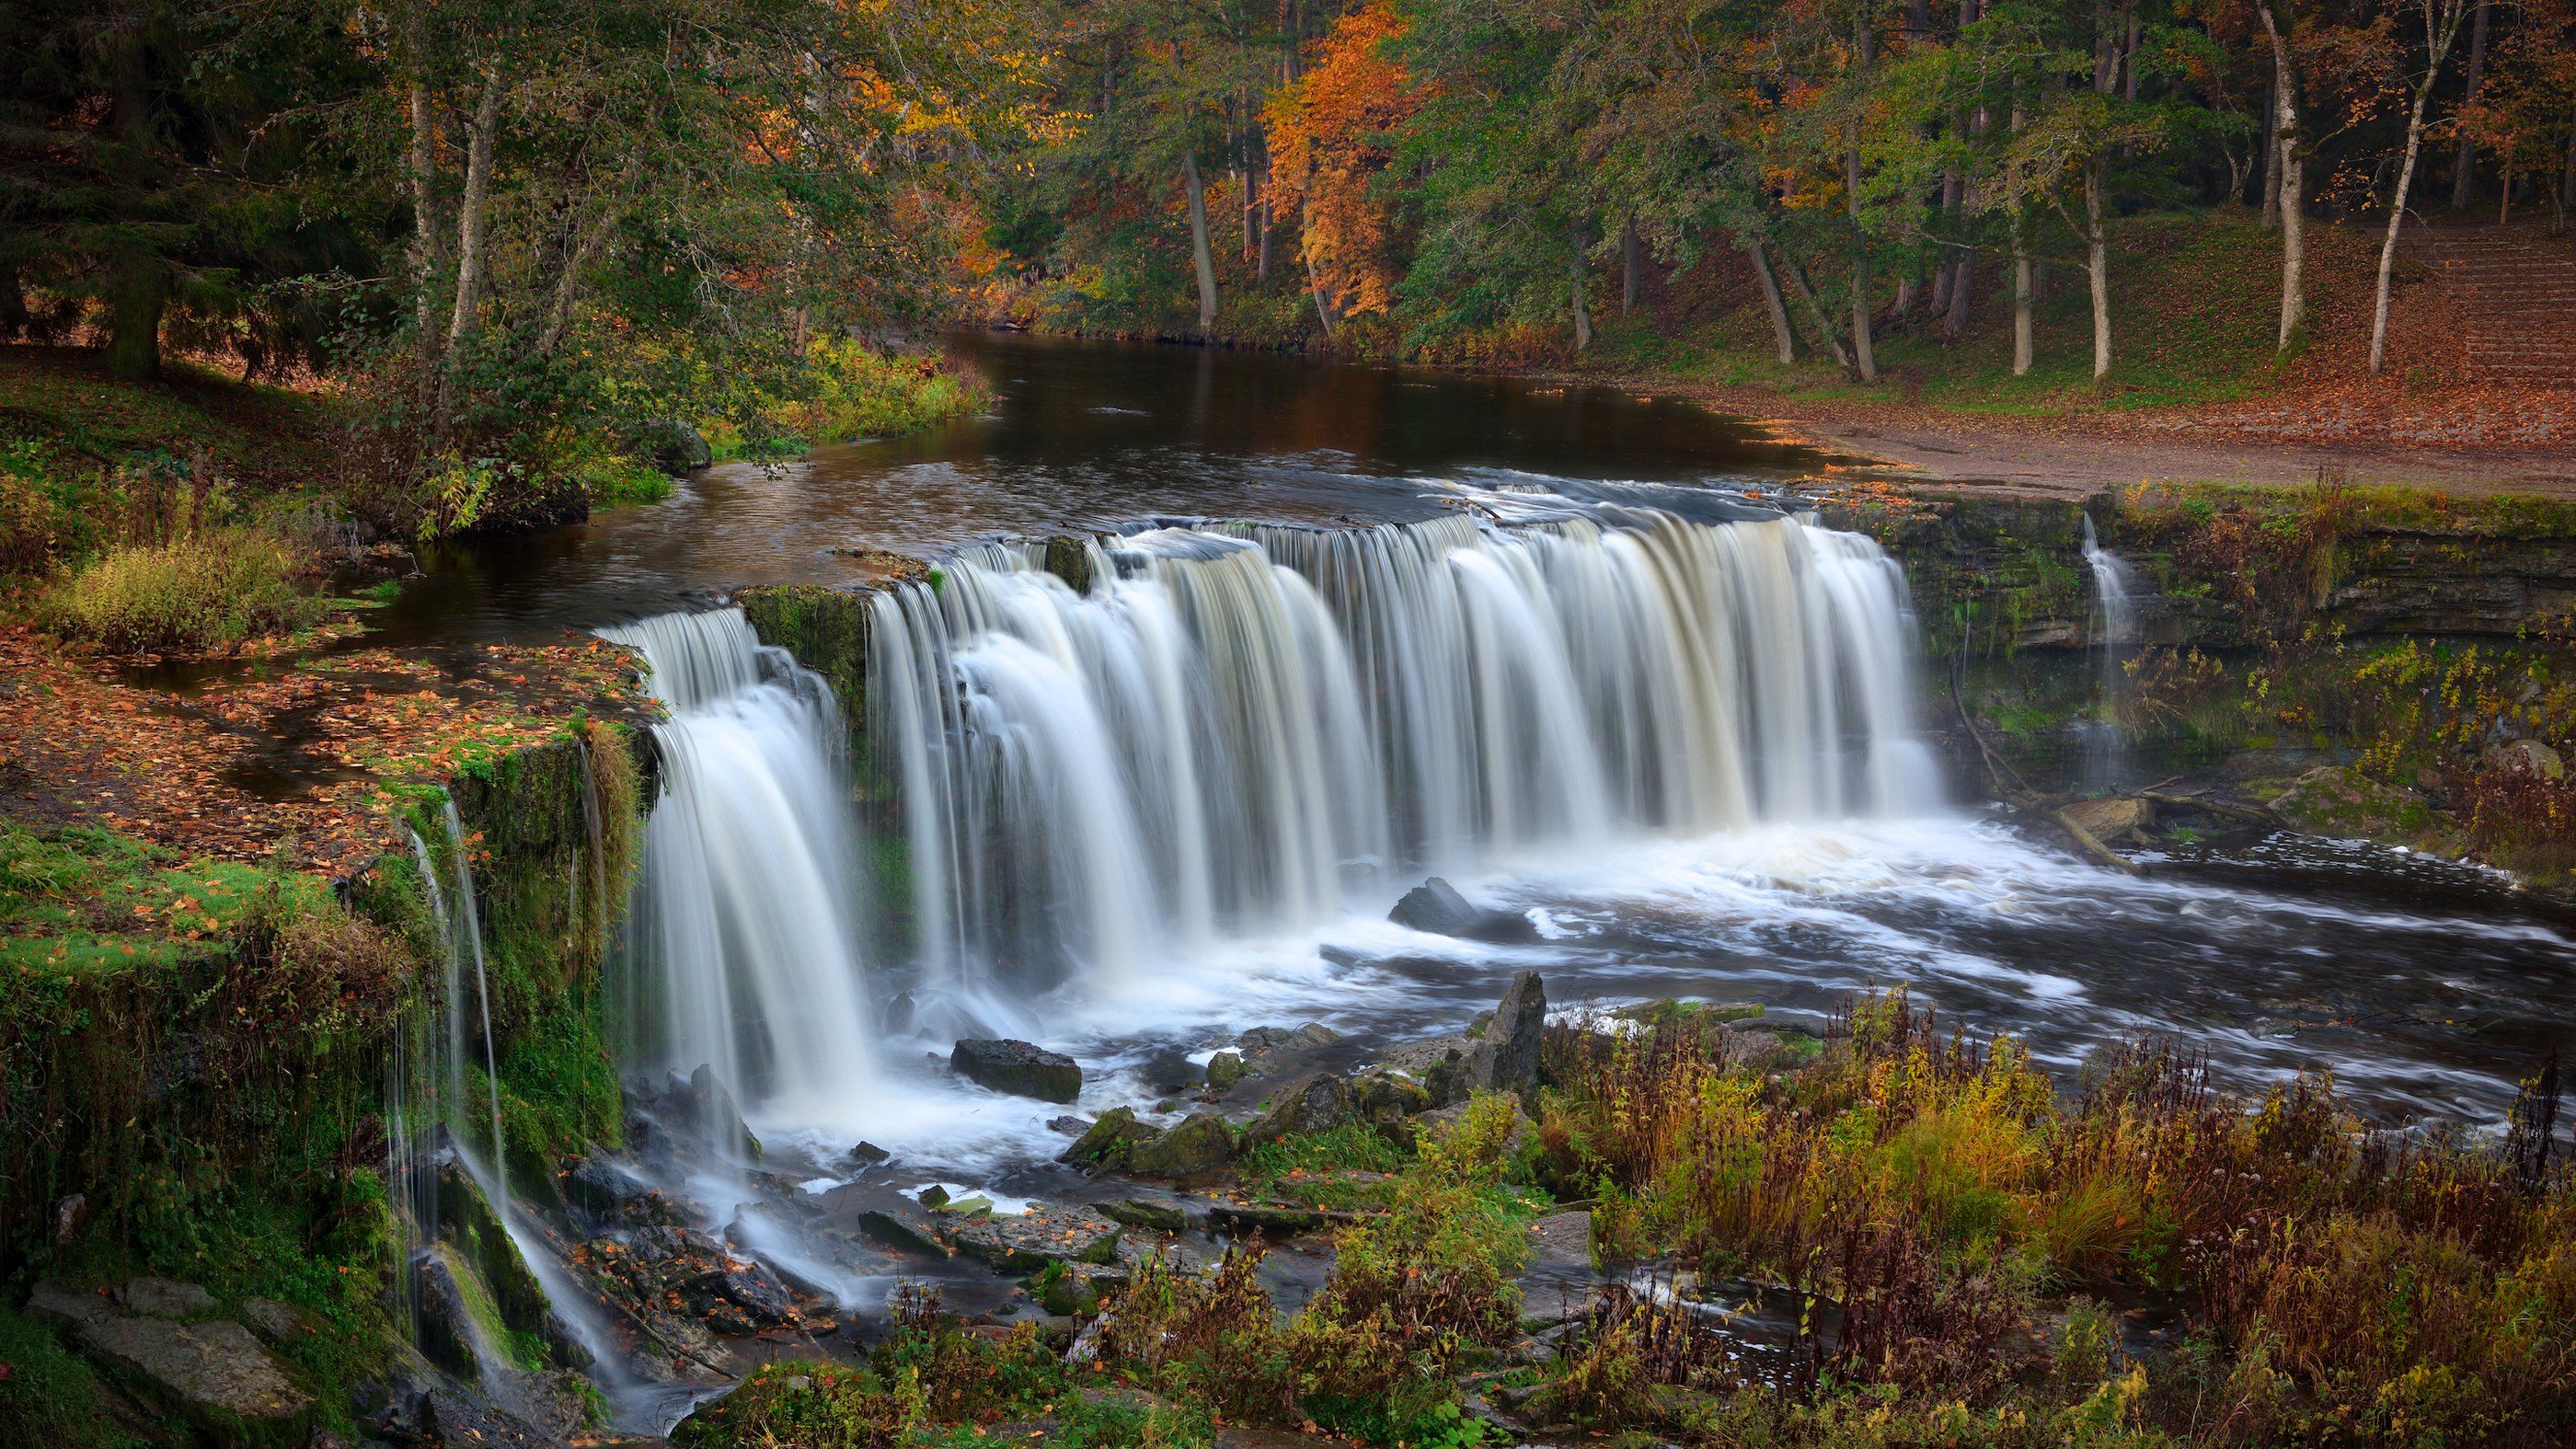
[
  {"x": 1252, "y": 729},
  {"x": 744, "y": 950},
  {"x": 2114, "y": 629}
]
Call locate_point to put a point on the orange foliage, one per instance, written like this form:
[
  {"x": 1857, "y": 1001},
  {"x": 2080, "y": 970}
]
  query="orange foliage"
[{"x": 1328, "y": 141}]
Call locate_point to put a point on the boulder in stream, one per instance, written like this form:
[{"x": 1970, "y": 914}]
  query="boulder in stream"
[
  {"x": 1106, "y": 1142},
  {"x": 1020, "y": 1068},
  {"x": 1311, "y": 1104},
  {"x": 1436, "y": 908},
  {"x": 1202, "y": 1143}
]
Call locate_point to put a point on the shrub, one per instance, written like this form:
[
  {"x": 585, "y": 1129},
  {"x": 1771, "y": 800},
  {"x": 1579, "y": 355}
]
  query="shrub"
[{"x": 219, "y": 588}]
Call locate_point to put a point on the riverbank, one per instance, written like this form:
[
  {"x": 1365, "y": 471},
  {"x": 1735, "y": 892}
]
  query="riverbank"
[{"x": 2073, "y": 455}]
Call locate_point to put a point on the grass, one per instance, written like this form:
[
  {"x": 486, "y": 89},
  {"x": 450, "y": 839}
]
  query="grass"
[
  {"x": 82, "y": 899},
  {"x": 216, "y": 589},
  {"x": 2194, "y": 297},
  {"x": 48, "y": 1394}
]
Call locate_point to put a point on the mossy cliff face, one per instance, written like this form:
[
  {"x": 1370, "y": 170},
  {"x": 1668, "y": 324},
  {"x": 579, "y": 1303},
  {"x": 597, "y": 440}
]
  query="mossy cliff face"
[
  {"x": 2399, "y": 649},
  {"x": 194, "y": 1059},
  {"x": 2221, "y": 568}
]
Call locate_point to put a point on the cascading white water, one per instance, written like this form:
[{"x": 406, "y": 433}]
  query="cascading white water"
[
  {"x": 744, "y": 944},
  {"x": 2114, "y": 621},
  {"x": 1252, "y": 728}
]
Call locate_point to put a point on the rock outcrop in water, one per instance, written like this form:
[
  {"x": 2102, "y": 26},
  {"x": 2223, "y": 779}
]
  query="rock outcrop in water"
[{"x": 1020, "y": 1068}]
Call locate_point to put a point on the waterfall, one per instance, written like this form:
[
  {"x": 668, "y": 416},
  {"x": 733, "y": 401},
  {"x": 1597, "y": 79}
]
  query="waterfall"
[
  {"x": 2114, "y": 627},
  {"x": 1255, "y": 728},
  {"x": 415, "y": 1106},
  {"x": 744, "y": 948}
]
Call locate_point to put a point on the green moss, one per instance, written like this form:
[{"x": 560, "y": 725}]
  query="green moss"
[{"x": 50, "y": 1395}]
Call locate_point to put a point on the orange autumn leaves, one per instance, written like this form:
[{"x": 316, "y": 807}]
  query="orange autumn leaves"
[{"x": 1328, "y": 135}]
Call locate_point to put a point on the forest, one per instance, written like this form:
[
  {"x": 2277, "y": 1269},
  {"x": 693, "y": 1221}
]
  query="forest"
[{"x": 1287, "y": 724}]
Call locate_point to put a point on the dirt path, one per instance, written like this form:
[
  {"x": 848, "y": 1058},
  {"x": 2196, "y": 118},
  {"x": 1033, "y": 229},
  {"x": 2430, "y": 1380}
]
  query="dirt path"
[
  {"x": 2466, "y": 442},
  {"x": 2030, "y": 462}
]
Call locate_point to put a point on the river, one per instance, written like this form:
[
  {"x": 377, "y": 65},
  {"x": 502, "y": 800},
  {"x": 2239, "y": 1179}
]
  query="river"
[{"x": 1349, "y": 627}]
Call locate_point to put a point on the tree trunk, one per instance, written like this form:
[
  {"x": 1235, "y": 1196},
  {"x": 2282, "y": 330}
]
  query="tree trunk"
[
  {"x": 1783, "y": 337},
  {"x": 2464, "y": 156},
  {"x": 2437, "y": 44},
  {"x": 2025, "y": 290},
  {"x": 13, "y": 301},
  {"x": 2023, "y": 295},
  {"x": 2294, "y": 249},
  {"x": 1199, "y": 253},
  {"x": 2097, "y": 266},
  {"x": 423, "y": 166},
  {"x": 1315, "y": 284},
  {"x": 470, "y": 218},
  {"x": 135, "y": 302},
  {"x": 1816, "y": 313},
  {"x": 1963, "y": 291},
  {"x": 1864, "y": 359},
  {"x": 1632, "y": 264},
  {"x": 1575, "y": 281},
  {"x": 2271, "y": 147}
]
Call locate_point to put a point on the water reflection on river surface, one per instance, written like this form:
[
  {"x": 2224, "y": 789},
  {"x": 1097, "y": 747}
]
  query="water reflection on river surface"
[{"x": 1085, "y": 436}]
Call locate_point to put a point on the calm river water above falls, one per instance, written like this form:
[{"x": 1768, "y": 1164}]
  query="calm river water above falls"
[{"x": 1219, "y": 833}]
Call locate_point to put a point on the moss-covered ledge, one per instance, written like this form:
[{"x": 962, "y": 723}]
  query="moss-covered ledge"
[{"x": 194, "y": 1057}]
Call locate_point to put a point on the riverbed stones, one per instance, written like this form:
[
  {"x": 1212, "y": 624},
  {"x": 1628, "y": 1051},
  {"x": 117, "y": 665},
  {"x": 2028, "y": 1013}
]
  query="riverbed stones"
[
  {"x": 2113, "y": 818},
  {"x": 1106, "y": 1142},
  {"x": 718, "y": 1119},
  {"x": 1224, "y": 1070},
  {"x": 1201, "y": 1143},
  {"x": 905, "y": 1226},
  {"x": 1436, "y": 908},
  {"x": 1310, "y": 1104},
  {"x": 1020, "y": 1068},
  {"x": 1028, "y": 1241}
]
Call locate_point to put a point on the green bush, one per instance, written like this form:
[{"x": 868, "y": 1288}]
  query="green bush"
[{"x": 219, "y": 588}]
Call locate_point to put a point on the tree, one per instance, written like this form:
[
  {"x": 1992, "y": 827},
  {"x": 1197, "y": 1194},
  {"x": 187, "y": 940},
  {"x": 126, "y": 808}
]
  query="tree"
[
  {"x": 136, "y": 181},
  {"x": 2441, "y": 19}
]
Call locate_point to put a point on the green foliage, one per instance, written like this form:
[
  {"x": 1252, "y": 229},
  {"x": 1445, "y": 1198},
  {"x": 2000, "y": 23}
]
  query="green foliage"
[
  {"x": 49, "y": 1394},
  {"x": 219, "y": 588}
]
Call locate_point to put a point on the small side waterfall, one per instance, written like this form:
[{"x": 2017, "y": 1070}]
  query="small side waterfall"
[
  {"x": 744, "y": 948},
  {"x": 1252, "y": 728},
  {"x": 2113, "y": 629},
  {"x": 428, "y": 1088}
]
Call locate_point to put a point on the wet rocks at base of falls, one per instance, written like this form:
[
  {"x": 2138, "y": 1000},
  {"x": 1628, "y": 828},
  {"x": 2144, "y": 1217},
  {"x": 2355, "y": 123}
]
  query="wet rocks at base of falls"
[
  {"x": 1436, "y": 908},
  {"x": 1022, "y": 1069},
  {"x": 1027, "y": 1242}
]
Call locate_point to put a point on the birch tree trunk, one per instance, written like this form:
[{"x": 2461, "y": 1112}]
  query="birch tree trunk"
[
  {"x": 423, "y": 166},
  {"x": 2270, "y": 150},
  {"x": 2294, "y": 249},
  {"x": 2024, "y": 294},
  {"x": 1783, "y": 337},
  {"x": 470, "y": 213},
  {"x": 2097, "y": 266},
  {"x": 2441, "y": 24},
  {"x": 1199, "y": 253}
]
